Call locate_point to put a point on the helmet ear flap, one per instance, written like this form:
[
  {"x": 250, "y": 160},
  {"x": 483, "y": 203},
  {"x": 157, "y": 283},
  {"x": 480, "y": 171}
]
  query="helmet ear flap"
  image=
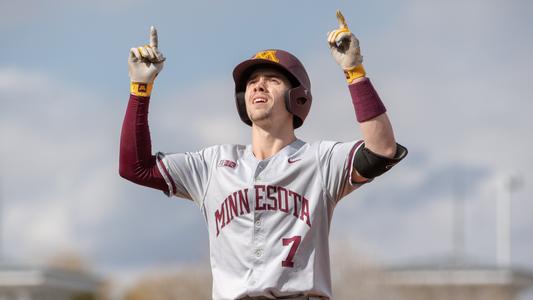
[
  {"x": 241, "y": 108},
  {"x": 296, "y": 121},
  {"x": 298, "y": 102},
  {"x": 288, "y": 100}
]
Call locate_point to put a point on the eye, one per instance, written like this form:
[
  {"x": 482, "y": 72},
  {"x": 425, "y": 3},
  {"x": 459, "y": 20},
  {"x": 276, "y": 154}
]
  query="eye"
[
  {"x": 251, "y": 81},
  {"x": 275, "y": 80}
]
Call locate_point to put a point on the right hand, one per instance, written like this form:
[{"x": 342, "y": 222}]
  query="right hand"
[{"x": 144, "y": 63}]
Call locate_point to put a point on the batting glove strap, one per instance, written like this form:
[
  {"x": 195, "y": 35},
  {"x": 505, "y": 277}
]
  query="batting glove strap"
[
  {"x": 141, "y": 89},
  {"x": 357, "y": 72}
]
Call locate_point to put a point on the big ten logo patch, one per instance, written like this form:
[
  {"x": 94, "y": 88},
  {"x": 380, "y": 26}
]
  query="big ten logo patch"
[
  {"x": 268, "y": 55},
  {"x": 227, "y": 163}
]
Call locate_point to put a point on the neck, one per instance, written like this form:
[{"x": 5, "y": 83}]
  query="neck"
[{"x": 266, "y": 143}]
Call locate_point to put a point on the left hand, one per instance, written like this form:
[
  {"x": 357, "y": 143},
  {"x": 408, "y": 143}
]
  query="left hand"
[{"x": 344, "y": 45}]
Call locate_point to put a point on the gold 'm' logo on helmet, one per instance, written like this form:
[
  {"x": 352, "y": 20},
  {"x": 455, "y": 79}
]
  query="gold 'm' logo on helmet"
[{"x": 268, "y": 55}]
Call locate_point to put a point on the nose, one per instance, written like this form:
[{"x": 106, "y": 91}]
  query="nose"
[{"x": 259, "y": 85}]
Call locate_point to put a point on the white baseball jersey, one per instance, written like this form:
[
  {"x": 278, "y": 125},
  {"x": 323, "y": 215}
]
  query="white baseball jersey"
[{"x": 268, "y": 219}]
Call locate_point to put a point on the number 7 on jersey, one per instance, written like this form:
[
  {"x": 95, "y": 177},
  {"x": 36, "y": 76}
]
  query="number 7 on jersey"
[{"x": 295, "y": 241}]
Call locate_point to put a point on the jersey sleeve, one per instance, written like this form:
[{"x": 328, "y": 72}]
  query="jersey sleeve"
[
  {"x": 336, "y": 163},
  {"x": 187, "y": 174}
]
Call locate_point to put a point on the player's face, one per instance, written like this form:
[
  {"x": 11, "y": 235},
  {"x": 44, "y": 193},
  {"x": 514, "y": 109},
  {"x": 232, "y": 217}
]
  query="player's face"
[{"x": 265, "y": 97}]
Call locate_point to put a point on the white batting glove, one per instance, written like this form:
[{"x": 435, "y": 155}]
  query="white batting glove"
[
  {"x": 345, "y": 50},
  {"x": 144, "y": 64}
]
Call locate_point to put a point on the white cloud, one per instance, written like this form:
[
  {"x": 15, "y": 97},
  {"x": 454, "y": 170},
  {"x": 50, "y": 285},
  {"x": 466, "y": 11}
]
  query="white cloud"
[
  {"x": 60, "y": 183},
  {"x": 205, "y": 113},
  {"x": 38, "y": 230},
  {"x": 58, "y": 156}
]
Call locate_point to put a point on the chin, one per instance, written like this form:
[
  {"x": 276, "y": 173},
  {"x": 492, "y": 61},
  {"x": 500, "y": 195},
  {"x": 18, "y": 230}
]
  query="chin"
[{"x": 258, "y": 117}]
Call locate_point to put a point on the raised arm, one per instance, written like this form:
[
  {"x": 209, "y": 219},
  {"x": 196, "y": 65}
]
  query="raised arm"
[
  {"x": 136, "y": 162},
  {"x": 380, "y": 151}
]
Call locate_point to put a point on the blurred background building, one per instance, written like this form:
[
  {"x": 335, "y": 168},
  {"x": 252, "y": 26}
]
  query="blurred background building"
[
  {"x": 22, "y": 282},
  {"x": 457, "y": 281}
]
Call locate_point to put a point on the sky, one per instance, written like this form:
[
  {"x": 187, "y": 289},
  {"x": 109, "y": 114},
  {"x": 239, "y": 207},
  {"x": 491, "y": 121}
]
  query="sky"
[{"x": 454, "y": 76}]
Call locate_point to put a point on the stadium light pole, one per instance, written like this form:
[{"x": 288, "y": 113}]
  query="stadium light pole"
[
  {"x": 1, "y": 219},
  {"x": 458, "y": 232},
  {"x": 510, "y": 184}
]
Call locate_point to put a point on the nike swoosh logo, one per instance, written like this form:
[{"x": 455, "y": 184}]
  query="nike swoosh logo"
[
  {"x": 389, "y": 166},
  {"x": 293, "y": 160}
]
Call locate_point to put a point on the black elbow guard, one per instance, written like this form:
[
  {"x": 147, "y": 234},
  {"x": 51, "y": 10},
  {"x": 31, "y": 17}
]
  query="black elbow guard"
[{"x": 369, "y": 164}]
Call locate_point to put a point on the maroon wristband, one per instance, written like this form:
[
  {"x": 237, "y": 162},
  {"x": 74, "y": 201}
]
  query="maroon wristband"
[{"x": 366, "y": 101}]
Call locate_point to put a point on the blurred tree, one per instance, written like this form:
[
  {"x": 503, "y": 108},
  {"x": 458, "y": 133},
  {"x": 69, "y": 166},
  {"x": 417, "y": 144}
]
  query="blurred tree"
[
  {"x": 84, "y": 296},
  {"x": 190, "y": 283},
  {"x": 356, "y": 276},
  {"x": 70, "y": 261}
]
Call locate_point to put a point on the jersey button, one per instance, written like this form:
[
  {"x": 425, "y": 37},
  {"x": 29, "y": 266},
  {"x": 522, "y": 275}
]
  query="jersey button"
[
  {"x": 258, "y": 223},
  {"x": 259, "y": 252}
]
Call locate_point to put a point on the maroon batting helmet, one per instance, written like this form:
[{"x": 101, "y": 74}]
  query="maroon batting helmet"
[{"x": 298, "y": 98}]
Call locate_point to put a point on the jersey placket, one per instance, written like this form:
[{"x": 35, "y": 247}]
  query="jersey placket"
[{"x": 258, "y": 239}]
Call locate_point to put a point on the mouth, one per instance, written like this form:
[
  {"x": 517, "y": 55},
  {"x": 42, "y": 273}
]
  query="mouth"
[{"x": 259, "y": 99}]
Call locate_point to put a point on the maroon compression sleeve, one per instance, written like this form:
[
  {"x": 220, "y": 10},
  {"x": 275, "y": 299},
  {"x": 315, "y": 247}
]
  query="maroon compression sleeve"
[
  {"x": 137, "y": 164},
  {"x": 366, "y": 101}
]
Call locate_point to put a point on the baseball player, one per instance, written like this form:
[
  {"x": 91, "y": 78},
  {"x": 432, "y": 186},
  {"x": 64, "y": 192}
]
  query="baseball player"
[{"x": 267, "y": 205}]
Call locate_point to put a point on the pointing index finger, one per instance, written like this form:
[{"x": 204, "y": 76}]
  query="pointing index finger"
[
  {"x": 342, "y": 21},
  {"x": 153, "y": 37}
]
